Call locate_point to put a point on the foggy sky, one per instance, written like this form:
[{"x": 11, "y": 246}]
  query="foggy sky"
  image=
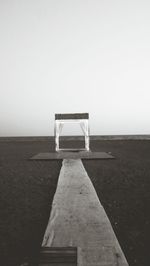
[{"x": 62, "y": 56}]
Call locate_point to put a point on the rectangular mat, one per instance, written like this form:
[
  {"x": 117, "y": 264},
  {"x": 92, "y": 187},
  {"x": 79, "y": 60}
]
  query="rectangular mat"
[{"x": 72, "y": 155}]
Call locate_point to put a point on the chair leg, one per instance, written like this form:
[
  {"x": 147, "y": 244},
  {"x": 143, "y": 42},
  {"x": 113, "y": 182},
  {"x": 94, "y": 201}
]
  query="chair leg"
[
  {"x": 56, "y": 136},
  {"x": 87, "y": 141}
]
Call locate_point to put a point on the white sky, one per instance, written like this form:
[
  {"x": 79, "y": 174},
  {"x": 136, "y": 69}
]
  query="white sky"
[{"x": 74, "y": 56}]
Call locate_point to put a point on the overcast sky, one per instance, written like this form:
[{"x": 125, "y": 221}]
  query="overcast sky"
[{"x": 74, "y": 56}]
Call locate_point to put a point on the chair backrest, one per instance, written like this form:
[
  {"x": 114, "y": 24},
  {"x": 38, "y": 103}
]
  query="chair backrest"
[{"x": 72, "y": 116}]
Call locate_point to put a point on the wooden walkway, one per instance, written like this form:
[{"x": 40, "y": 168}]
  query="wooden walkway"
[{"x": 78, "y": 220}]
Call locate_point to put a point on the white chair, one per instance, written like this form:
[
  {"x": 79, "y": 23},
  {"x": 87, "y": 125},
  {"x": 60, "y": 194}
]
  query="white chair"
[{"x": 79, "y": 118}]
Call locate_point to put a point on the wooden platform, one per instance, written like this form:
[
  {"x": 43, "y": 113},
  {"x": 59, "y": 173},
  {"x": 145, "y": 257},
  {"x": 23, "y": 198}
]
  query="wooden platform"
[
  {"x": 78, "y": 220},
  {"x": 72, "y": 154}
]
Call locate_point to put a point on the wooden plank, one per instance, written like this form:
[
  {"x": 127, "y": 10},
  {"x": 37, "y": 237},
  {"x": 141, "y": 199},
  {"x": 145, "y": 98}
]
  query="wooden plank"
[
  {"x": 41, "y": 263},
  {"x": 58, "y": 255},
  {"x": 78, "y": 219},
  {"x": 71, "y": 116}
]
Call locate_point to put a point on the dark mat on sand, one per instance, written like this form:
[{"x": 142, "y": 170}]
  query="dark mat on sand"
[{"x": 72, "y": 155}]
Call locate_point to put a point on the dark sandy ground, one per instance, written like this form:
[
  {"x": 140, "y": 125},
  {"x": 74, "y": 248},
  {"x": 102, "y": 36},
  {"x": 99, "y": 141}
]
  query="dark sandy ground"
[{"x": 27, "y": 189}]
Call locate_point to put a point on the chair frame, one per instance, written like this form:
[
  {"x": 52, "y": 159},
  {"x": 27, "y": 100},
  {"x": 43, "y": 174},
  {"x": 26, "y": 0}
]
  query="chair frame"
[{"x": 81, "y": 119}]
